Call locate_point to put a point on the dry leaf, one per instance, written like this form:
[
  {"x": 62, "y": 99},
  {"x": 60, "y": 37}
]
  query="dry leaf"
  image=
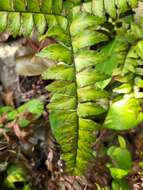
[
  {"x": 49, "y": 160},
  {"x": 7, "y": 97},
  {"x": 62, "y": 186},
  {"x": 3, "y": 118},
  {"x": 18, "y": 132},
  {"x": 31, "y": 65},
  {"x": 69, "y": 186},
  {"x": 77, "y": 186},
  {"x": 2, "y": 131},
  {"x": 16, "y": 129},
  {"x": 4, "y": 37}
]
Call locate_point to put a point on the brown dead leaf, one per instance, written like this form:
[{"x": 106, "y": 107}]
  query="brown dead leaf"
[
  {"x": 44, "y": 43},
  {"x": 49, "y": 160},
  {"x": 7, "y": 97},
  {"x": 69, "y": 186},
  {"x": 52, "y": 185},
  {"x": 69, "y": 179},
  {"x": 11, "y": 124},
  {"x": 27, "y": 115},
  {"x": 3, "y": 118},
  {"x": 77, "y": 186},
  {"x": 61, "y": 186},
  {"x": 34, "y": 44},
  {"x": 4, "y": 37},
  {"x": 31, "y": 65},
  {"x": 16, "y": 129},
  {"x": 18, "y": 132},
  {"x": 3, "y": 132}
]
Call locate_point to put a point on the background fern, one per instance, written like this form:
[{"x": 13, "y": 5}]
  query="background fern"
[
  {"x": 20, "y": 16},
  {"x": 81, "y": 75}
]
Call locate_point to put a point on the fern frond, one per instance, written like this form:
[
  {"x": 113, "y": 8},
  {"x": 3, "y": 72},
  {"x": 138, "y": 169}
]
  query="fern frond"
[
  {"x": 22, "y": 16},
  {"x": 126, "y": 112},
  {"x": 101, "y": 8},
  {"x": 32, "y": 6},
  {"x": 72, "y": 109},
  {"x": 25, "y": 23},
  {"x": 114, "y": 8}
]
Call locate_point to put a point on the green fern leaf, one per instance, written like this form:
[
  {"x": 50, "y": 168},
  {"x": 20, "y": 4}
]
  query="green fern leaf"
[
  {"x": 3, "y": 21},
  {"x": 53, "y": 52},
  {"x": 57, "y": 6},
  {"x": 110, "y": 8},
  {"x": 133, "y": 3},
  {"x": 26, "y": 15},
  {"x": 90, "y": 93},
  {"x": 27, "y": 24},
  {"x": 65, "y": 87},
  {"x": 13, "y": 23},
  {"x": 6, "y": 5},
  {"x": 60, "y": 72},
  {"x": 90, "y": 110},
  {"x": 33, "y": 5},
  {"x": 89, "y": 77},
  {"x": 112, "y": 55},
  {"x": 58, "y": 34},
  {"x": 40, "y": 23},
  {"x": 83, "y": 21},
  {"x": 71, "y": 109},
  {"x": 57, "y": 29},
  {"x": 120, "y": 184},
  {"x": 19, "y": 5},
  {"x": 85, "y": 58},
  {"x": 98, "y": 8},
  {"x": 124, "y": 114},
  {"x": 87, "y": 38},
  {"x": 122, "y": 6},
  {"x": 46, "y": 6}
]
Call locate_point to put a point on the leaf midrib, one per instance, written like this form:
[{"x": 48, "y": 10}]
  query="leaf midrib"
[
  {"x": 32, "y": 12},
  {"x": 76, "y": 95}
]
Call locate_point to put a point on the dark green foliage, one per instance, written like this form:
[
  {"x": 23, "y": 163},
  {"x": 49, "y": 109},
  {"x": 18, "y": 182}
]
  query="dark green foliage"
[
  {"x": 34, "y": 107},
  {"x": 16, "y": 174},
  {"x": 121, "y": 164}
]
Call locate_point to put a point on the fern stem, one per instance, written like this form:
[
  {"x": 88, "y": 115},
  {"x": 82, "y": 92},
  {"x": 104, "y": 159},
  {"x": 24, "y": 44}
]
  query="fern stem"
[
  {"x": 76, "y": 95},
  {"x": 31, "y": 12}
]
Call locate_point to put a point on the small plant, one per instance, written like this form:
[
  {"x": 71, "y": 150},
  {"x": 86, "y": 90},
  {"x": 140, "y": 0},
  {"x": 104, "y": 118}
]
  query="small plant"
[
  {"x": 121, "y": 164},
  {"x": 22, "y": 117},
  {"x": 16, "y": 175}
]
